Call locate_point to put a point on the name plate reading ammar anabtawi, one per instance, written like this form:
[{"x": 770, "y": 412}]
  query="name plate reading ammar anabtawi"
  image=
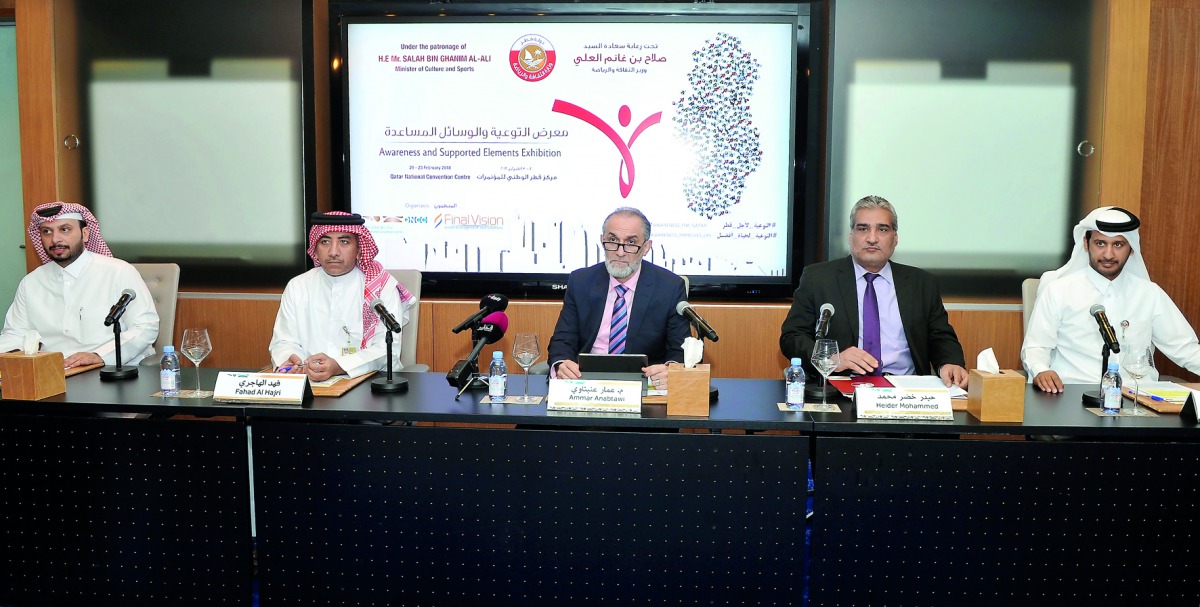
[{"x": 609, "y": 395}]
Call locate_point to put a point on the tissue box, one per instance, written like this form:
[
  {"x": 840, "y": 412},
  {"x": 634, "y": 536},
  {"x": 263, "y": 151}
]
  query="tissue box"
[
  {"x": 687, "y": 390},
  {"x": 32, "y": 377},
  {"x": 996, "y": 397}
]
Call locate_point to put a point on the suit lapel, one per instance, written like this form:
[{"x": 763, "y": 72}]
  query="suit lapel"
[
  {"x": 904, "y": 299},
  {"x": 597, "y": 292},
  {"x": 641, "y": 302},
  {"x": 847, "y": 288}
]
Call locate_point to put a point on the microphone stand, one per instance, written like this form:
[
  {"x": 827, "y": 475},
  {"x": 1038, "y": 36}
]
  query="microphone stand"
[
  {"x": 117, "y": 373},
  {"x": 1095, "y": 398},
  {"x": 388, "y": 385},
  {"x": 713, "y": 393}
]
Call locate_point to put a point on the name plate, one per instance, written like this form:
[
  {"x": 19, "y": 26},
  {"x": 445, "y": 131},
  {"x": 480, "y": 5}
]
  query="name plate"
[
  {"x": 607, "y": 395},
  {"x": 899, "y": 403},
  {"x": 268, "y": 388}
]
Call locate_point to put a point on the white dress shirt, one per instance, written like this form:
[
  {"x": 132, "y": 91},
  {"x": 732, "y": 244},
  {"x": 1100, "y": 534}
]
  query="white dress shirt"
[
  {"x": 1064, "y": 337},
  {"x": 323, "y": 313},
  {"x": 67, "y": 306}
]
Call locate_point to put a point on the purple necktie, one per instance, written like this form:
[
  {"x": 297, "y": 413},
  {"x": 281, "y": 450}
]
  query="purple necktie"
[
  {"x": 620, "y": 322},
  {"x": 870, "y": 321}
]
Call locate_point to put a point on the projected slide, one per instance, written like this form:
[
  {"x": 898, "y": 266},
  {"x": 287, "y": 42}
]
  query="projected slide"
[{"x": 500, "y": 147}]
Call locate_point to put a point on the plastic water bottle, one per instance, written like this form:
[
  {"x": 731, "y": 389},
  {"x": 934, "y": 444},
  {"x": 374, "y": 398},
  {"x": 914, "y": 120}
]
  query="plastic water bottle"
[
  {"x": 1110, "y": 390},
  {"x": 168, "y": 372},
  {"x": 497, "y": 377},
  {"x": 793, "y": 378}
]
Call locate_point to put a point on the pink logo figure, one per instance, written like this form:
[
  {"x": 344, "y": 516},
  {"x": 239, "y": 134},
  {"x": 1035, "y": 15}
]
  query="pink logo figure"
[{"x": 623, "y": 116}]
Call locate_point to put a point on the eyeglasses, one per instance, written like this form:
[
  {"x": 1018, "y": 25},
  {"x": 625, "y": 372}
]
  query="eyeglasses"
[{"x": 610, "y": 245}]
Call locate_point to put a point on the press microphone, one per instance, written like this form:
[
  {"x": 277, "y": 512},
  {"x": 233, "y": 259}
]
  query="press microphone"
[
  {"x": 823, "y": 323},
  {"x": 489, "y": 304},
  {"x": 385, "y": 316},
  {"x": 118, "y": 308},
  {"x": 686, "y": 310},
  {"x": 1106, "y": 330},
  {"x": 490, "y": 331}
]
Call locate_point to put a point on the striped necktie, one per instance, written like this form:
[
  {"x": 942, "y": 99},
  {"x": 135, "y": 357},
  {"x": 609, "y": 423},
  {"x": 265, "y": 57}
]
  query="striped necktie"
[{"x": 620, "y": 322}]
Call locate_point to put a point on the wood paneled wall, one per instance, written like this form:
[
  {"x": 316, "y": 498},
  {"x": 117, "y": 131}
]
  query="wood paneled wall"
[
  {"x": 1171, "y": 170},
  {"x": 240, "y": 329}
]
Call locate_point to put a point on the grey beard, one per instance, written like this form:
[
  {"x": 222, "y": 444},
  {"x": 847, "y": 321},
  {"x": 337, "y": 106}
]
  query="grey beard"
[{"x": 622, "y": 272}]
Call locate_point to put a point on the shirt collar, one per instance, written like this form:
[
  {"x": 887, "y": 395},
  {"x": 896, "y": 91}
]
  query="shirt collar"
[
  {"x": 885, "y": 272},
  {"x": 1103, "y": 284},
  {"x": 354, "y": 274},
  {"x": 75, "y": 268},
  {"x": 630, "y": 284}
]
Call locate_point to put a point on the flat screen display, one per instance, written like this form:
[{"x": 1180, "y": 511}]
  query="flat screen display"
[{"x": 493, "y": 148}]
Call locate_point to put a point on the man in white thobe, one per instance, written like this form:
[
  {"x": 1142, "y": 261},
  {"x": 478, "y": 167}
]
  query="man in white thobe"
[
  {"x": 66, "y": 302},
  {"x": 1063, "y": 343},
  {"x": 326, "y": 325}
]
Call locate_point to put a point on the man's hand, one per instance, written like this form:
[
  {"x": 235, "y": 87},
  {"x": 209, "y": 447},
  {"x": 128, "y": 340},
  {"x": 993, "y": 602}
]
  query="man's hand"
[
  {"x": 293, "y": 364},
  {"x": 858, "y": 361},
  {"x": 322, "y": 366},
  {"x": 567, "y": 369},
  {"x": 82, "y": 359},
  {"x": 657, "y": 375},
  {"x": 1048, "y": 381},
  {"x": 953, "y": 374}
]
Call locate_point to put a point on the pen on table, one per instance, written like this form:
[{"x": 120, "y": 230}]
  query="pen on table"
[{"x": 286, "y": 368}]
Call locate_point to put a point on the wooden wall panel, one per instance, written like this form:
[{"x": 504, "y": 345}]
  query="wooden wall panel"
[
  {"x": 1171, "y": 187},
  {"x": 240, "y": 329},
  {"x": 1124, "y": 109},
  {"x": 749, "y": 347},
  {"x": 36, "y": 102}
]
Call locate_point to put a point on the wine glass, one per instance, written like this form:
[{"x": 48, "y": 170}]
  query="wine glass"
[
  {"x": 825, "y": 358},
  {"x": 526, "y": 352},
  {"x": 196, "y": 346},
  {"x": 1137, "y": 362}
]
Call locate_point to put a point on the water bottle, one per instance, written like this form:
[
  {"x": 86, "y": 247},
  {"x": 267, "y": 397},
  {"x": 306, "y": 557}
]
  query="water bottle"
[
  {"x": 497, "y": 377},
  {"x": 793, "y": 378},
  {"x": 168, "y": 372},
  {"x": 1110, "y": 390}
]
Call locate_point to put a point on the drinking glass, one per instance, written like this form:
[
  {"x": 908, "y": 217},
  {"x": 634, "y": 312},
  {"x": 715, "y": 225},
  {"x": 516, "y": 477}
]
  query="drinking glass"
[
  {"x": 1137, "y": 362},
  {"x": 196, "y": 346},
  {"x": 826, "y": 357},
  {"x": 526, "y": 352}
]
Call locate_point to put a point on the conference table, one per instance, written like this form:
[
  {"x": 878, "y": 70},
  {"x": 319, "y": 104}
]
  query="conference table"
[{"x": 113, "y": 496}]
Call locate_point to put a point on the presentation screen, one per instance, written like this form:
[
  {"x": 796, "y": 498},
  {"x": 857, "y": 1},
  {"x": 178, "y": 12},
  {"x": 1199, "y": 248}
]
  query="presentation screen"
[{"x": 492, "y": 149}]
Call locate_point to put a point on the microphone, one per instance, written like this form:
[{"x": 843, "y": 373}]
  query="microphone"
[
  {"x": 823, "y": 323},
  {"x": 1106, "y": 330},
  {"x": 686, "y": 310},
  {"x": 385, "y": 316},
  {"x": 490, "y": 331},
  {"x": 118, "y": 308},
  {"x": 489, "y": 304}
]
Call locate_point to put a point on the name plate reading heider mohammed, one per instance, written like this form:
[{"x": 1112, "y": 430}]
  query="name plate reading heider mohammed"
[
  {"x": 608, "y": 395},
  {"x": 899, "y": 403},
  {"x": 276, "y": 388}
]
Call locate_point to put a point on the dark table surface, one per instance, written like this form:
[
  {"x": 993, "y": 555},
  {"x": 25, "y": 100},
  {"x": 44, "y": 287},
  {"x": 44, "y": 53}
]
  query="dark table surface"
[{"x": 749, "y": 404}]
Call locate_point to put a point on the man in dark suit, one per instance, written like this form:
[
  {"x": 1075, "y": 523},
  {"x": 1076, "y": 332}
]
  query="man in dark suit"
[
  {"x": 621, "y": 305},
  {"x": 888, "y": 317}
]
